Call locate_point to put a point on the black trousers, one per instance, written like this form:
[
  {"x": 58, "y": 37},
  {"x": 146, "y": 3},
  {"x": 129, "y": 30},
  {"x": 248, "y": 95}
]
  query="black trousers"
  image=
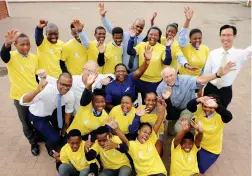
[{"x": 225, "y": 93}]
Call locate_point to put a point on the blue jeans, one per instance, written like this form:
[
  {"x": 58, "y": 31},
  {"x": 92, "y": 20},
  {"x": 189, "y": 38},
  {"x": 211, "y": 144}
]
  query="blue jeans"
[
  {"x": 205, "y": 160},
  {"x": 69, "y": 170},
  {"x": 123, "y": 171}
]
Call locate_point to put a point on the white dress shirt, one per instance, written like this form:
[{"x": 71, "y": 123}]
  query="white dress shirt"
[
  {"x": 78, "y": 86},
  {"x": 45, "y": 102},
  {"x": 234, "y": 55}
]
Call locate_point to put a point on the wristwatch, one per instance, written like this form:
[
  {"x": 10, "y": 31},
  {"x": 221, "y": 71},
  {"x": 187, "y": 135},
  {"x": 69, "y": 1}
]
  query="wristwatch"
[{"x": 217, "y": 76}]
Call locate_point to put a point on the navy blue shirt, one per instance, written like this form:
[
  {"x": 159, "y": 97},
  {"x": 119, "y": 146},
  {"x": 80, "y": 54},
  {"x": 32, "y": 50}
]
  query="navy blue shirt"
[{"x": 115, "y": 91}]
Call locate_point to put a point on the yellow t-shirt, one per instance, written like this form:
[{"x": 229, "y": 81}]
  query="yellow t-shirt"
[
  {"x": 146, "y": 158},
  {"x": 93, "y": 53},
  {"x": 113, "y": 56},
  {"x": 124, "y": 121},
  {"x": 195, "y": 58},
  {"x": 21, "y": 72},
  {"x": 183, "y": 163},
  {"x": 111, "y": 159},
  {"x": 86, "y": 121},
  {"x": 151, "y": 118},
  {"x": 77, "y": 159},
  {"x": 175, "y": 52},
  {"x": 152, "y": 74},
  {"x": 75, "y": 56},
  {"x": 213, "y": 131},
  {"x": 49, "y": 56}
]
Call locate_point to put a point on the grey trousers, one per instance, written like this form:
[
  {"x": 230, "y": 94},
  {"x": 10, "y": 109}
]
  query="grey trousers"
[
  {"x": 26, "y": 124},
  {"x": 123, "y": 171},
  {"x": 69, "y": 170}
]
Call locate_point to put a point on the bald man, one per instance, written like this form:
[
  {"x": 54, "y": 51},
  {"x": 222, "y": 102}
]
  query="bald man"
[
  {"x": 79, "y": 81},
  {"x": 178, "y": 90},
  {"x": 49, "y": 49},
  {"x": 46, "y": 112},
  {"x": 131, "y": 62}
]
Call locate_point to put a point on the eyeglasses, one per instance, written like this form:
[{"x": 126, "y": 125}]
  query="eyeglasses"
[
  {"x": 227, "y": 35},
  {"x": 67, "y": 86},
  {"x": 120, "y": 71}
]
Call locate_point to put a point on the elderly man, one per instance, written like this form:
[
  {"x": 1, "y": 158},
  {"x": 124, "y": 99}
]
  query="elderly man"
[
  {"x": 181, "y": 89},
  {"x": 80, "y": 81}
]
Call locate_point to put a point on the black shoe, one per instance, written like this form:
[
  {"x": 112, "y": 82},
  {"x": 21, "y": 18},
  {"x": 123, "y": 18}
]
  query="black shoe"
[{"x": 35, "y": 149}]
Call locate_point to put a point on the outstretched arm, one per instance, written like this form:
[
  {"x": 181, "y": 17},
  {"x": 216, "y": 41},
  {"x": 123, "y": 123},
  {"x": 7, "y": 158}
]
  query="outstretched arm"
[
  {"x": 104, "y": 19},
  {"x": 39, "y": 32}
]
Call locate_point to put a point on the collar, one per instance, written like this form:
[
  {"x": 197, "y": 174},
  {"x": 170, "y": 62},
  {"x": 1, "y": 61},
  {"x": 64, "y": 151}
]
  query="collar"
[
  {"x": 96, "y": 113},
  {"x": 23, "y": 54},
  {"x": 210, "y": 116},
  {"x": 125, "y": 114},
  {"x": 113, "y": 42},
  {"x": 228, "y": 51},
  {"x": 177, "y": 81},
  {"x": 195, "y": 48}
]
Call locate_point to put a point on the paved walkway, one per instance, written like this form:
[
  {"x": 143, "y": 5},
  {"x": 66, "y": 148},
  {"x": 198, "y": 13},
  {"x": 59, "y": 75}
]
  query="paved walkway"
[{"x": 15, "y": 156}]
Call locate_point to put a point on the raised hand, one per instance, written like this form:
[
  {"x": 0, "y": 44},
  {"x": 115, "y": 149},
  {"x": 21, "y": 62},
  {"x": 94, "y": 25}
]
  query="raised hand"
[
  {"x": 42, "y": 84},
  {"x": 141, "y": 112},
  {"x": 91, "y": 79},
  {"x": 203, "y": 99},
  {"x": 42, "y": 24},
  {"x": 113, "y": 124},
  {"x": 188, "y": 13},
  {"x": 109, "y": 144},
  {"x": 88, "y": 144},
  {"x": 153, "y": 18},
  {"x": 132, "y": 31},
  {"x": 11, "y": 36},
  {"x": 102, "y": 10},
  {"x": 105, "y": 81},
  {"x": 197, "y": 126},
  {"x": 42, "y": 73},
  {"x": 148, "y": 54},
  {"x": 226, "y": 69},
  {"x": 211, "y": 103},
  {"x": 168, "y": 42},
  {"x": 161, "y": 107},
  {"x": 100, "y": 47},
  {"x": 77, "y": 25},
  {"x": 185, "y": 125},
  {"x": 167, "y": 93}
]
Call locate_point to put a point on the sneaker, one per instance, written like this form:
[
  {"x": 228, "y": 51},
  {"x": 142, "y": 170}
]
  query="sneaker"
[{"x": 35, "y": 149}]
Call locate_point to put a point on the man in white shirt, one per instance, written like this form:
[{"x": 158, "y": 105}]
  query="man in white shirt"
[
  {"x": 79, "y": 81},
  {"x": 219, "y": 57},
  {"x": 45, "y": 111}
]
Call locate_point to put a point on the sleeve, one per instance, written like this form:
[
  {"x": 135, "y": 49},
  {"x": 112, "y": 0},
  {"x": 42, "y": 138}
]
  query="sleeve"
[
  {"x": 247, "y": 53},
  {"x": 153, "y": 137},
  {"x": 172, "y": 146},
  {"x": 86, "y": 97},
  {"x": 64, "y": 53},
  {"x": 182, "y": 60},
  {"x": 135, "y": 125},
  {"x": 5, "y": 54},
  {"x": 69, "y": 108},
  {"x": 106, "y": 23},
  {"x": 108, "y": 97},
  {"x": 159, "y": 91},
  {"x": 39, "y": 36},
  {"x": 35, "y": 99},
  {"x": 63, "y": 66},
  {"x": 101, "y": 59},
  {"x": 130, "y": 49},
  {"x": 225, "y": 114},
  {"x": 166, "y": 56},
  {"x": 63, "y": 156},
  {"x": 190, "y": 82},
  {"x": 207, "y": 67},
  {"x": 183, "y": 37},
  {"x": 84, "y": 39},
  {"x": 192, "y": 105}
]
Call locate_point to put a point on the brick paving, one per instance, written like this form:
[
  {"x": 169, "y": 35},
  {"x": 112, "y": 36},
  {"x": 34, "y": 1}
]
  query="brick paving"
[{"x": 15, "y": 156}]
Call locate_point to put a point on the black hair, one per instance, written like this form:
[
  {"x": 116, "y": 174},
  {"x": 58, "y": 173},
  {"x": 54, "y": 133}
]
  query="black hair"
[
  {"x": 144, "y": 124},
  {"x": 51, "y": 26},
  {"x": 117, "y": 30},
  {"x": 150, "y": 92},
  {"x": 188, "y": 135},
  {"x": 120, "y": 64},
  {"x": 74, "y": 133},
  {"x": 98, "y": 92},
  {"x": 22, "y": 35},
  {"x": 101, "y": 130},
  {"x": 72, "y": 26},
  {"x": 193, "y": 31},
  {"x": 226, "y": 26},
  {"x": 99, "y": 27},
  {"x": 159, "y": 31},
  {"x": 128, "y": 95},
  {"x": 65, "y": 74},
  {"x": 174, "y": 25}
]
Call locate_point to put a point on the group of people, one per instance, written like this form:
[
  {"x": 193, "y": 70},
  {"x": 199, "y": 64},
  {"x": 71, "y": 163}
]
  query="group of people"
[{"x": 81, "y": 97}]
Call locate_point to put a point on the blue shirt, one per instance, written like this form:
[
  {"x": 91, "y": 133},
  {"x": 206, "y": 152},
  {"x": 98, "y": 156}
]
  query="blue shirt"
[
  {"x": 183, "y": 90},
  {"x": 126, "y": 37},
  {"x": 115, "y": 91}
]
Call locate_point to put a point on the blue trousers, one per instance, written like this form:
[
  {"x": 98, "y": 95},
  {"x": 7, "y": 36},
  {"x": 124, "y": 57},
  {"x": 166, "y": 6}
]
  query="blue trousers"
[{"x": 205, "y": 160}]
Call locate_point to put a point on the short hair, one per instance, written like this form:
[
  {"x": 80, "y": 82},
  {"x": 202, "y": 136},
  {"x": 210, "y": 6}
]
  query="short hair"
[
  {"x": 226, "y": 26},
  {"x": 174, "y": 25},
  {"x": 98, "y": 92},
  {"x": 167, "y": 68},
  {"x": 101, "y": 130},
  {"x": 65, "y": 74},
  {"x": 144, "y": 124},
  {"x": 117, "y": 30},
  {"x": 99, "y": 27},
  {"x": 188, "y": 135},
  {"x": 150, "y": 92},
  {"x": 140, "y": 19},
  {"x": 74, "y": 133},
  {"x": 72, "y": 26},
  {"x": 91, "y": 62},
  {"x": 156, "y": 28},
  {"x": 120, "y": 64},
  {"x": 194, "y": 31},
  {"x": 128, "y": 95},
  {"x": 22, "y": 35},
  {"x": 51, "y": 26}
]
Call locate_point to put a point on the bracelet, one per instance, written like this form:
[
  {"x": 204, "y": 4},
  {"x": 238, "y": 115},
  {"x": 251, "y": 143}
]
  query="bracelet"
[{"x": 217, "y": 76}]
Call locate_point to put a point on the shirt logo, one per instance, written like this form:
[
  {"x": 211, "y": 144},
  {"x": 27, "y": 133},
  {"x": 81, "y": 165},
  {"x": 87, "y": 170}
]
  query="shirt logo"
[
  {"x": 140, "y": 155},
  {"x": 22, "y": 68},
  {"x": 116, "y": 58},
  {"x": 76, "y": 55},
  {"x": 51, "y": 50},
  {"x": 85, "y": 122},
  {"x": 150, "y": 148},
  {"x": 128, "y": 88},
  {"x": 72, "y": 161}
]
